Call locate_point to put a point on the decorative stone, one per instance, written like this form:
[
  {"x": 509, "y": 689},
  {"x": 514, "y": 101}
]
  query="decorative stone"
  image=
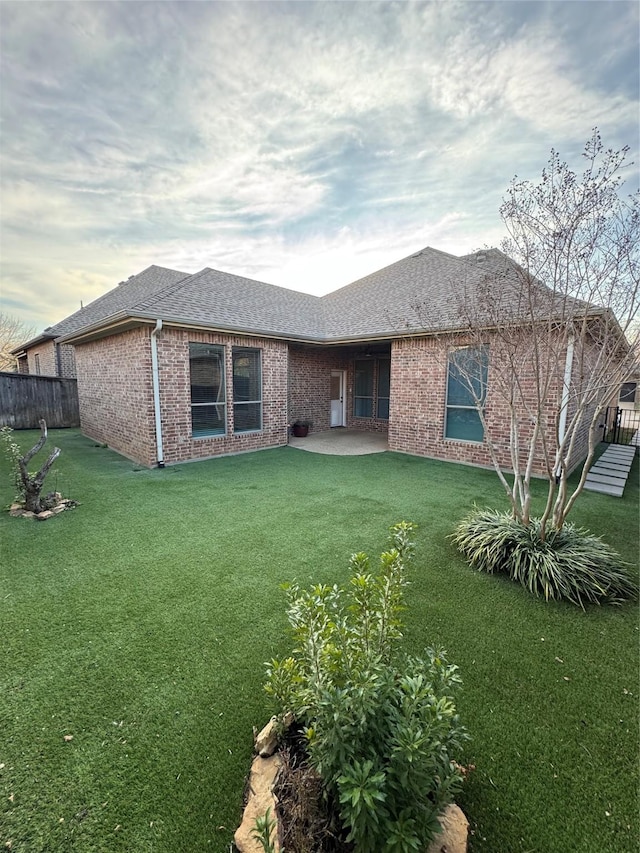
[
  {"x": 262, "y": 778},
  {"x": 453, "y": 837},
  {"x": 59, "y": 508},
  {"x": 266, "y": 742},
  {"x": 27, "y": 514},
  {"x": 15, "y": 506},
  {"x": 43, "y": 516},
  {"x": 267, "y": 739}
]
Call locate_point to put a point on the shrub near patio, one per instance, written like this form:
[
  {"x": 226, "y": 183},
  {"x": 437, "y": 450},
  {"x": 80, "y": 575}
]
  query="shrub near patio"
[{"x": 381, "y": 726}]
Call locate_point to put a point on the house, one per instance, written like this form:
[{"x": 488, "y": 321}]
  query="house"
[{"x": 174, "y": 367}]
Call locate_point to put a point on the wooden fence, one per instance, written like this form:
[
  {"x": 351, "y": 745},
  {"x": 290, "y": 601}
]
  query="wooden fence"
[{"x": 24, "y": 399}]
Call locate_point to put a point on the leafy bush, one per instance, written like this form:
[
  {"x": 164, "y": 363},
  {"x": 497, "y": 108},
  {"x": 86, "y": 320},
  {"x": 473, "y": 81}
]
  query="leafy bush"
[
  {"x": 569, "y": 564},
  {"x": 380, "y": 725}
]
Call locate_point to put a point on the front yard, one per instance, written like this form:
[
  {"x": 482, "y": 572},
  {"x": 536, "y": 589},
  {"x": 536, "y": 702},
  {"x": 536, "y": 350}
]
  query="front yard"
[{"x": 135, "y": 630}]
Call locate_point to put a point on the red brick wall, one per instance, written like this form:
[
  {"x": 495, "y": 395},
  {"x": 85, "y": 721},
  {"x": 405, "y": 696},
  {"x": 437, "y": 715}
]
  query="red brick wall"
[
  {"x": 67, "y": 358},
  {"x": 418, "y": 402},
  {"x": 49, "y": 354},
  {"x": 310, "y": 383},
  {"x": 115, "y": 393},
  {"x": 310, "y": 387},
  {"x": 46, "y": 353},
  {"x": 175, "y": 395}
]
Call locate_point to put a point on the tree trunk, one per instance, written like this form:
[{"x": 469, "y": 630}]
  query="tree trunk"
[{"x": 32, "y": 483}]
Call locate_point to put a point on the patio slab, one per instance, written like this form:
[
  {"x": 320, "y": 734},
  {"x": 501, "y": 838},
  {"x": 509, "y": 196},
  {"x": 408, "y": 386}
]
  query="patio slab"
[{"x": 341, "y": 442}]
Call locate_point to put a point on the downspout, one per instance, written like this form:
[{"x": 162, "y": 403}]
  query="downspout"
[
  {"x": 566, "y": 387},
  {"x": 156, "y": 391}
]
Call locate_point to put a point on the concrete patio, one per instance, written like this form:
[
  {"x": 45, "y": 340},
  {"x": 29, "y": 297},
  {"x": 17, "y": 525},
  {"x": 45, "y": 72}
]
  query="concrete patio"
[{"x": 341, "y": 442}]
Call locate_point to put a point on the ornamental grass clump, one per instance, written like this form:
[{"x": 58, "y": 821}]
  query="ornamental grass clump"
[
  {"x": 570, "y": 564},
  {"x": 381, "y": 726}
]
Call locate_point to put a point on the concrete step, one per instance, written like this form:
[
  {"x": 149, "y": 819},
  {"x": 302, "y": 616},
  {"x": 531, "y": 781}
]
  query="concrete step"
[
  {"x": 596, "y": 476},
  {"x": 620, "y": 450},
  {"x": 615, "y": 491}
]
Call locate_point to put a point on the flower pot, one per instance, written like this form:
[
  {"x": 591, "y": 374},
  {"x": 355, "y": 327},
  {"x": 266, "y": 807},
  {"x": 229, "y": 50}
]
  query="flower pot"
[{"x": 300, "y": 430}]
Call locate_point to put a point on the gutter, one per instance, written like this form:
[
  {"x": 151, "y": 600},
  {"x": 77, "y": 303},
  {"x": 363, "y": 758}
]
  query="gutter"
[
  {"x": 156, "y": 391},
  {"x": 566, "y": 387}
]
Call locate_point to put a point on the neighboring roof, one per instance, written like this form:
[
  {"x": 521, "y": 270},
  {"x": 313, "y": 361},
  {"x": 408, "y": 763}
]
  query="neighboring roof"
[
  {"x": 429, "y": 291},
  {"x": 152, "y": 280}
]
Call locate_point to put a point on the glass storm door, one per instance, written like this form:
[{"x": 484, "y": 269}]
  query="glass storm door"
[{"x": 337, "y": 398}]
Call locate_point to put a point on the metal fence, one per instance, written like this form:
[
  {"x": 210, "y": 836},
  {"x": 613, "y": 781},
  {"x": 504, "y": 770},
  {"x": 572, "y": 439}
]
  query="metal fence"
[
  {"x": 24, "y": 399},
  {"x": 621, "y": 426}
]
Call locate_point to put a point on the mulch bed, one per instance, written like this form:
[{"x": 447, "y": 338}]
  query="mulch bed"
[{"x": 308, "y": 819}]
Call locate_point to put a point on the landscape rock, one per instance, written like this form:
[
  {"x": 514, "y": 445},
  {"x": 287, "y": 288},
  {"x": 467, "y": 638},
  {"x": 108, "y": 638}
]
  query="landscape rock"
[
  {"x": 262, "y": 778},
  {"x": 267, "y": 739},
  {"x": 43, "y": 516},
  {"x": 453, "y": 837}
]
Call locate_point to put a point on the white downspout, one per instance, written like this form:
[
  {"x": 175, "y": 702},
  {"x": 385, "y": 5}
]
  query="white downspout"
[
  {"x": 156, "y": 391},
  {"x": 566, "y": 388}
]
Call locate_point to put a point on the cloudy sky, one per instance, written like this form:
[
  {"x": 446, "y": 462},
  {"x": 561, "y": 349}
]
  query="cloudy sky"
[{"x": 301, "y": 143}]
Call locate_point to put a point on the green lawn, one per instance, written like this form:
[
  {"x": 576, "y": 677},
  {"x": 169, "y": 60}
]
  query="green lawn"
[{"x": 139, "y": 622}]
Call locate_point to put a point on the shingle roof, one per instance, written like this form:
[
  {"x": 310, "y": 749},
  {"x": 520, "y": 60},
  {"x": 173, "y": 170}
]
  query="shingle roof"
[
  {"x": 222, "y": 300},
  {"x": 150, "y": 281},
  {"x": 429, "y": 291}
]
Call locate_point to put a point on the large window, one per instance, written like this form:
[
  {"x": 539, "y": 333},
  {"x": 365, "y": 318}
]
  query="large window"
[
  {"x": 371, "y": 388},
  {"x": 363, "y": 391},
  {"x": 384, "y": 378},
  {"x": 208, "y": 400},
  {"x": 466, "y": 390},
  {"x": 247, "y": 390}
]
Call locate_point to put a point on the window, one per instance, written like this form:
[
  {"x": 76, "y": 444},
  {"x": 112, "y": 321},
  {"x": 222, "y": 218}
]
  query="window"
[
  {"x": 247, "y": 390},
  {"x": 363, "y": 391},
  {"x": 208, "y": 401},
  {"x": 466, "y": 388},
  {"x": 371, "y": 392},
  {"x": 37, "y": 363},
  {"x": 384, "y": 379},
  {"x": 628, "y": 392}
]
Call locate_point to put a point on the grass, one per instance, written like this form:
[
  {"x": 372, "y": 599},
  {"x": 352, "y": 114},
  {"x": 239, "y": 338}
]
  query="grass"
[{"x": 139, "y": 622}]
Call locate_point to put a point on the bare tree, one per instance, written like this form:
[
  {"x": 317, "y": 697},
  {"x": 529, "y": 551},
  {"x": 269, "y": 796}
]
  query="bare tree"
[
  {"x": 558, "y": 310},
  {"x": 13, "y": 332}
]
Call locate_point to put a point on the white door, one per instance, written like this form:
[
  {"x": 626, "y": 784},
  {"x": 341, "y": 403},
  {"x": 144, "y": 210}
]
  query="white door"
[{"x": 337, "y": 398}]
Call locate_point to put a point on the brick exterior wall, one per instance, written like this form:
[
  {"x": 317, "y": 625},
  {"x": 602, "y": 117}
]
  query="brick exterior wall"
[
  {"x": 418, "y": 407},
  {"x": 55, "y": 360},
  {"x": 67, "y": 359},
  {"x": 115, "y": 394},
  {"x": 116, "y": 397},
  {"x": 175, "y": 396},
  {"x": 46, "y": 359},
  {"x": 310, "y": 387},
  {"x": 309, "y": 396}
]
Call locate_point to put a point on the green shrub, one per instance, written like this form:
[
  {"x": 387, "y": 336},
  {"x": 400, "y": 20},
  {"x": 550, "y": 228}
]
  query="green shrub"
[
  {"x": 569, "y": 564},
  {"x": 381, "y": 726}
]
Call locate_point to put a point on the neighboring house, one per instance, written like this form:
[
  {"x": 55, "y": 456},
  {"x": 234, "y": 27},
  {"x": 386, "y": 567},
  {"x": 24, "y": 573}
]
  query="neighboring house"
[
  {"x": 45, "y": 356},
  {"x": 213, "y": 363},
  {"x": 629, "y": 395}
]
